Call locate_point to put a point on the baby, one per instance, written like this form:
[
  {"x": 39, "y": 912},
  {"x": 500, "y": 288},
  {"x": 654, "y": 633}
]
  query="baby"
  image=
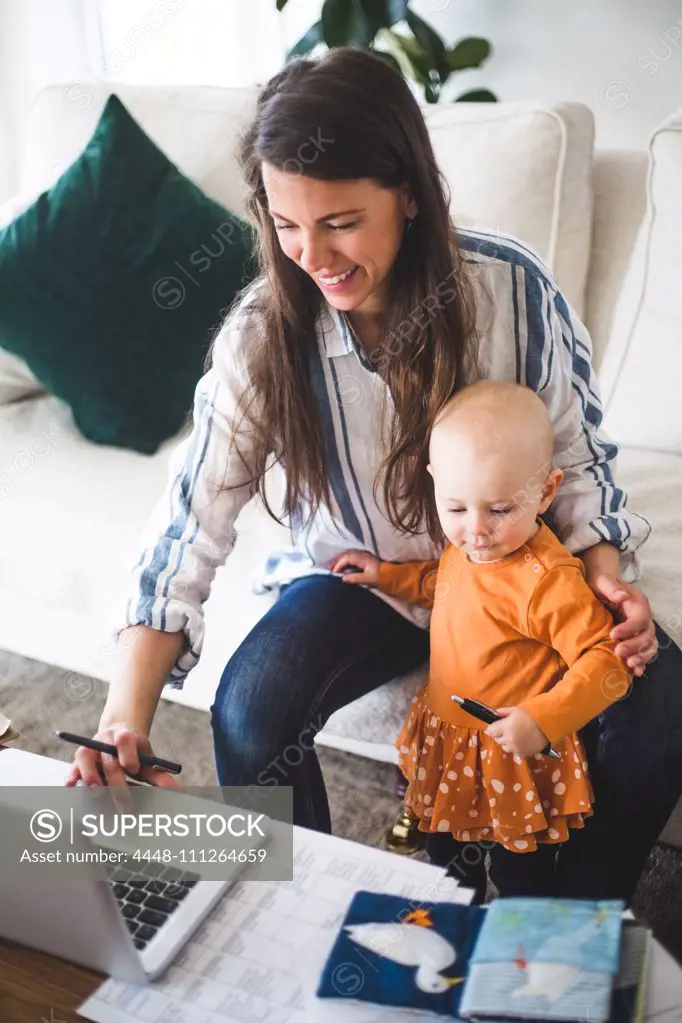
[{"x": 514, "y": 625}]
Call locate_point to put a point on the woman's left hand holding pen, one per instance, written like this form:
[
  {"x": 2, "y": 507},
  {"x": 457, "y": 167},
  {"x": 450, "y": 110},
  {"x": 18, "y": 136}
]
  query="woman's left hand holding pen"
[{"x": 128, "y": 741}]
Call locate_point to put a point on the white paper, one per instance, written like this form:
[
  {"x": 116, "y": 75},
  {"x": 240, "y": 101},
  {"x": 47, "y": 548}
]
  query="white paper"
[
  {"x": 244, "y": 963},
  {"x": 18, "y": 767},
  {"x": 4, "y": 725}
]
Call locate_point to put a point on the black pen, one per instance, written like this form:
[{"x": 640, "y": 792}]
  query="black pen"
[
  {"x": 104, "y": 747},
  {"x": 487, "y": 714}
]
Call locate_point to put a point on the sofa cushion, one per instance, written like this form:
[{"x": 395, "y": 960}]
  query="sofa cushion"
[
  {"x": 196, "y": 127},
  {"x": 113, "y": 282},
  {"x": 524, "y": 169},
  {"x": 619, "y": 179},
  {"x": 16, "y": 379},
  {"x": 641, "y": 375}
]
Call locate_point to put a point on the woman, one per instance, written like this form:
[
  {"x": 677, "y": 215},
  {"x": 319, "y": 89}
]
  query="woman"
[{"x": 369, "y": 313}]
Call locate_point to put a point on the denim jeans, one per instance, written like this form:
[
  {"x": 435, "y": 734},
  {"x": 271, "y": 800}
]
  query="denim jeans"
[{"x": 323, "y": 644}]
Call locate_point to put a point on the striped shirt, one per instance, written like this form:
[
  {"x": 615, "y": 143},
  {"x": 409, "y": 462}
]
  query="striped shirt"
[{"x": 527, "y": 333}]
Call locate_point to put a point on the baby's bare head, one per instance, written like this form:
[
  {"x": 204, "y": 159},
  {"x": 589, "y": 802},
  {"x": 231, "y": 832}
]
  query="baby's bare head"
[{"x": 495, "y": 419}]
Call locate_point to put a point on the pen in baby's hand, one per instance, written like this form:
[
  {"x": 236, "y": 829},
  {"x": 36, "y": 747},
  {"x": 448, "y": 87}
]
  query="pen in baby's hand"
[
  {"x": 145, "y": 759},
  {"x": 487, "y": 714}
]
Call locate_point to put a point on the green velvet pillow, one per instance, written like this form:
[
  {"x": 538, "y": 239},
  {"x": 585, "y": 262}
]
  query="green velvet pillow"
[{"x": 113, "y": 283}]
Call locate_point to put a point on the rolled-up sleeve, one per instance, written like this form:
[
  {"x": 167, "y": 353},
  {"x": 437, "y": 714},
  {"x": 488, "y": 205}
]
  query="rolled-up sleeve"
[
  {"x": 191, "y": 531},
  {"x": 590, "y": 506}
]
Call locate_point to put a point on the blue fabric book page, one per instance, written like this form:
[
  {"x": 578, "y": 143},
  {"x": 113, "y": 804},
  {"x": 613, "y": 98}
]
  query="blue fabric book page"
[
  {"x": 549, "y": 959},
  {"x": 400, "y": 953}
]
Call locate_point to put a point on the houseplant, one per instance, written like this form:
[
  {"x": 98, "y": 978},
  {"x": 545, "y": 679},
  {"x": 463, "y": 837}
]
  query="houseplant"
[{"x": 398, "y": 35}]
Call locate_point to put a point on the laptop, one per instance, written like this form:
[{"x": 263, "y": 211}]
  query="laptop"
[{"x": 129, "y": 923}]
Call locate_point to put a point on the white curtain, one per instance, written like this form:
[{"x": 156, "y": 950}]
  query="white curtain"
[
  {"x": 199, "y": 42},
  {"x": 41, "y": 41}
]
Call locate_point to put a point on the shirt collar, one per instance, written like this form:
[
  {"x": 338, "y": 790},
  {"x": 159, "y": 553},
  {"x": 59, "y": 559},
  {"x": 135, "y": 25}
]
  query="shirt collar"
[
  {"x": 338, "y": 337},
  {"x": 336, "y": 333}
]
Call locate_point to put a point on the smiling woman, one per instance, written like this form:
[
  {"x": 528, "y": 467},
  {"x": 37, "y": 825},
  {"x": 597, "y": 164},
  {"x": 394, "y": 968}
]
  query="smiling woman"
[
  {"x": 348, "y": 229},
  {"x": 369, "y": 313}
]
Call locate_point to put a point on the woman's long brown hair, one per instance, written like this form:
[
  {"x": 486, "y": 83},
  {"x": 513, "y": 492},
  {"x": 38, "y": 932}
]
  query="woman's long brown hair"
[{"x": 359, "y": 119}]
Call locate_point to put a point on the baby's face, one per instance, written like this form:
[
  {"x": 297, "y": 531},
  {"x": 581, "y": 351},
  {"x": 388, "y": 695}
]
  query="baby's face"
[{"x": 487, "y": 504}]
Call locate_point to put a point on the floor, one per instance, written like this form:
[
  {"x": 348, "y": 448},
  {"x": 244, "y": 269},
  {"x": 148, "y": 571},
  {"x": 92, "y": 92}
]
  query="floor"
[{"x": 39, "y": 699}]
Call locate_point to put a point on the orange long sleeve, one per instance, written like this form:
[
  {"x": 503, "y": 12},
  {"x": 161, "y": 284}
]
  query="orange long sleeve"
[
  {"x": 415, "y": 582},
  {"x": 564, "y": 613}
]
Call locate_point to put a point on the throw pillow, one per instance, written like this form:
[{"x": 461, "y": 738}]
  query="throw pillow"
[
  {"x": 16, "y": 380},
  {"x": 641, "y": 375},
  {"x": 113, "y": 282}
]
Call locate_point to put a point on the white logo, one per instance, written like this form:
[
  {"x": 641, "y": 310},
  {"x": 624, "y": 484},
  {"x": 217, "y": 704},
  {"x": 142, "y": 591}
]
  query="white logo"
[{"x": 46, "y": 825}]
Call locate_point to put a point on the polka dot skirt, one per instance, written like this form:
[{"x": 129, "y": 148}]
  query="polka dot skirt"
[{"x": 461, "y": 781}]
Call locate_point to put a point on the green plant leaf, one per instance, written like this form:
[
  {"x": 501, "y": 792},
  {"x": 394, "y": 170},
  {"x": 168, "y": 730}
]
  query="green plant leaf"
[
  {"x": 477, "y": 96},
  {"x": 307, "y": 42},
  {"x": 336, "y": 21},
  {"x": 344, "y": 23},
  {"x": 430, "y": 42},
  {"x": 469, "y": 52},
  {"x": 417, "y": 60},
  {"x": 281, "y": 4},
  {"x": 384, "y": 13},
  {"x": 376, "y": 13},
  {"x": 364, "y": 28}
]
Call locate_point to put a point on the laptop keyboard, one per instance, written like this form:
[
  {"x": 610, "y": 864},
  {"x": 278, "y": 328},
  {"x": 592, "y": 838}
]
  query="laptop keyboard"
[{"x": 147, "y": 897}]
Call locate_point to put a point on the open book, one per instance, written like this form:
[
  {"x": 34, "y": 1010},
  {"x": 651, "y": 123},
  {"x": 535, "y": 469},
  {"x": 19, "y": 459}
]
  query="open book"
[
  {"x": 7, "y": 733},
  {"x": 579, "y": 961}
]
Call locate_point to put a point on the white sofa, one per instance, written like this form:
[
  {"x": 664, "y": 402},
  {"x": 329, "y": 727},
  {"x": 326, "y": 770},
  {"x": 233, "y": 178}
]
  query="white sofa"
[{"x": 72, "y": 513}]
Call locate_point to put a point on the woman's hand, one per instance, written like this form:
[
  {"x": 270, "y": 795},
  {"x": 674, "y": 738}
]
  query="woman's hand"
[
  {"x": 517, "y": 732},
  {"x": 365, "y": 567},
  {"x": 129, "y": 741},
  {"x": 635, "y": 630}
]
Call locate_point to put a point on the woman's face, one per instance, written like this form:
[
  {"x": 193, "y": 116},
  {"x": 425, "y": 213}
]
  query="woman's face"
[{"x": 345, "y": 234}]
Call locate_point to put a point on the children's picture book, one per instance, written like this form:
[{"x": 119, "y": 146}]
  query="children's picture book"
[
  {"x": 547, "y": 959},
  {"x": 413, "y": 955},
  {"x": 541, "y": 959},
  {"x": 628, "y": 998}
]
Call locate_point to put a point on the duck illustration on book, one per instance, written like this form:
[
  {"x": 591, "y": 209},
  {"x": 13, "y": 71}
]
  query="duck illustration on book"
[
  {"x": 412, "y": 942},
  {"x": 549, "y": 977},
  {"x": 544, "y": 959}
]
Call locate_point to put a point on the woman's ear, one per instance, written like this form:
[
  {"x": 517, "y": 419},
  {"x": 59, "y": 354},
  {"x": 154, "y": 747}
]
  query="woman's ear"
[{"x": 411, "y": 208}]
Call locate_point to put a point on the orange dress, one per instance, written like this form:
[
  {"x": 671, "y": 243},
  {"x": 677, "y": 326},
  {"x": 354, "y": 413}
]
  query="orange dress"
[{"x": 525, "y": 631}]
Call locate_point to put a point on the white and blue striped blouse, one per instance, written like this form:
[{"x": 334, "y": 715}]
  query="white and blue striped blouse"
[{"x": 527, "y": 333}]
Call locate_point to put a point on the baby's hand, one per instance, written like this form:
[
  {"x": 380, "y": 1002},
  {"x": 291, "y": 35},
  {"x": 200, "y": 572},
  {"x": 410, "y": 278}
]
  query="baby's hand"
[
  {"x": 517, "y": 732},
  {"x": 365, "y": 567}
]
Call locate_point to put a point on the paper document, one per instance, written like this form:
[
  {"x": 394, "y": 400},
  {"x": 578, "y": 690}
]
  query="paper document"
[
  {"x": 244, "y": 962},
  {"x": 18, "y": 767}
]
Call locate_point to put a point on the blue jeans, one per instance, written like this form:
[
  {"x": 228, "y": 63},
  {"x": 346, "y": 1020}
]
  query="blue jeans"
[{"x": 324, "y": 644}]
